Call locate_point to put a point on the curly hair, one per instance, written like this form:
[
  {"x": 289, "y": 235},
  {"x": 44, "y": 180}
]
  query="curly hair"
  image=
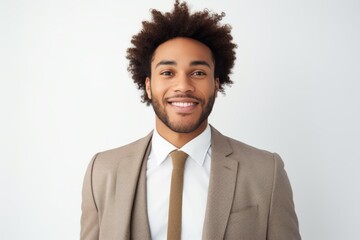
[{"x": 202, "y": 26}]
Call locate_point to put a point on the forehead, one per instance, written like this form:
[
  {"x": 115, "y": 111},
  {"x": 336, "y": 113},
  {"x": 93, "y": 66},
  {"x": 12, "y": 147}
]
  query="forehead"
[{"x": 182, "y": 50}]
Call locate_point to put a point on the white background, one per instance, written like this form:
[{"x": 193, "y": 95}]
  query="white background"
[{"x": 65, "y": 94}]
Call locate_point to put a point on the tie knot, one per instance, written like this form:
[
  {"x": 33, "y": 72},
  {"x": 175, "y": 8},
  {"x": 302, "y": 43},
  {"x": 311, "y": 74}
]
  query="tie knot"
[{"x": 178, "y": 158}]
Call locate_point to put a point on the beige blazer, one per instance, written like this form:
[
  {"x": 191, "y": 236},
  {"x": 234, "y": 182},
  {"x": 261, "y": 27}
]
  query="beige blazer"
[{"x": 249, "y": 196}]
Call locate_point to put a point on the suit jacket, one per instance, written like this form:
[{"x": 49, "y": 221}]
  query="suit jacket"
[{"x": 249, "y": 194}]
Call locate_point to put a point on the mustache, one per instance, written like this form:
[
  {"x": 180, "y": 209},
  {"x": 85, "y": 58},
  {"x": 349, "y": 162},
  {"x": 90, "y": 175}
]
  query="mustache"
[{"x": 184, "y": 95}]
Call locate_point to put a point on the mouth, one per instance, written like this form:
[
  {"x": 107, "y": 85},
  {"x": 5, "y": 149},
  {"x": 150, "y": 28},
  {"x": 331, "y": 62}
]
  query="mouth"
[{"x": 183, "y": 104}]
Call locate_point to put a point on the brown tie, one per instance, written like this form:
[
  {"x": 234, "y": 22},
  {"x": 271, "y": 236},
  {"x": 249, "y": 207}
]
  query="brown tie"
[{"x": 175, "y": 206}]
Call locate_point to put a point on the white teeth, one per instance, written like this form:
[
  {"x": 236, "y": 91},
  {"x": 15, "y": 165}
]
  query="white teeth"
[{"x": 182, "y": 104}]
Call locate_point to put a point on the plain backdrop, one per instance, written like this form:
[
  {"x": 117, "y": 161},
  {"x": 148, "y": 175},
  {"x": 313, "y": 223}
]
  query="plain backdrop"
[{"x": 65, "y": 94}]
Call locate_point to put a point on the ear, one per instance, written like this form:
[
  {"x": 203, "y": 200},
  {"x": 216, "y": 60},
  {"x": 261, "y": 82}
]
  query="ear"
[
  {"x": 217, "y": 85},
  {"x": 148, "y": 87}
]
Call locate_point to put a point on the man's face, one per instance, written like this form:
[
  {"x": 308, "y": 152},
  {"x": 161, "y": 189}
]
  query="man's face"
[{"x": 182, "y": 86}]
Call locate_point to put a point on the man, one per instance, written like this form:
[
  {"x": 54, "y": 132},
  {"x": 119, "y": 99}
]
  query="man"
[{"x": 227, "y": 189}]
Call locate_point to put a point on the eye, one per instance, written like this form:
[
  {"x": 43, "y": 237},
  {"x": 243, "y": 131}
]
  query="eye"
[
  {"x": 198, "y": 73},
  {"x": 166, "y": 73}
]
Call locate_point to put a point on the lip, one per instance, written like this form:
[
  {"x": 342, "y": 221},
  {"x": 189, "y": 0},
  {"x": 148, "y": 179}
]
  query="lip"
[{"x": 183, "y": 105}]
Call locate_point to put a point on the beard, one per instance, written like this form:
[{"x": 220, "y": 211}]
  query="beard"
[{"x": 183, "y": 127}]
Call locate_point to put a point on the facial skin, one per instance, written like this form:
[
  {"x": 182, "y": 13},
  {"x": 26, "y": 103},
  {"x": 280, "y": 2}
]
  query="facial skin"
[{"x": 182, "y": 88}]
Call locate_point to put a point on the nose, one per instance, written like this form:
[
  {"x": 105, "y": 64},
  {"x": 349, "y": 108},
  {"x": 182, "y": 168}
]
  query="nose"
[{"x": 183, "y": 84}]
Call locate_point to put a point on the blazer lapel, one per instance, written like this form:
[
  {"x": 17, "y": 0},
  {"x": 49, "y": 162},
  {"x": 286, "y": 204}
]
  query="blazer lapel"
[
  {"x": 126, "y": 184},
  {"x": 140, "y": 228},
  {"x": 221, "y": 187}
]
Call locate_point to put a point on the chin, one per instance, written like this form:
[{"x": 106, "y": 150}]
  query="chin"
[{"x": 185, "y": 128}]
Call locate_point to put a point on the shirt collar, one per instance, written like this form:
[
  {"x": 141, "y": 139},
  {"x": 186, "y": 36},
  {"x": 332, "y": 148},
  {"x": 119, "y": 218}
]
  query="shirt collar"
[{"x": 197, "y": 148}]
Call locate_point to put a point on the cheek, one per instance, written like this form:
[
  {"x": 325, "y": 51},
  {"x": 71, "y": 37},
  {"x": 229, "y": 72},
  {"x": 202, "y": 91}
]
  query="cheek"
[
  {"x": 159, "y": 90},
  {"x": 208, "y": 89}
]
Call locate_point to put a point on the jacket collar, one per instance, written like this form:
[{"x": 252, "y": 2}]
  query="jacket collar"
[{"x": 221, "y": 187}]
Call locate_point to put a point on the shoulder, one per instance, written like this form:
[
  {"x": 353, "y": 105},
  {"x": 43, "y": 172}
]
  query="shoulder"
[
  {"x": 241, "y": 148},
  {"x": 243, "y": 152},
  {"x": 112, "y": 157},
  {"x": 256, "y": 166}
]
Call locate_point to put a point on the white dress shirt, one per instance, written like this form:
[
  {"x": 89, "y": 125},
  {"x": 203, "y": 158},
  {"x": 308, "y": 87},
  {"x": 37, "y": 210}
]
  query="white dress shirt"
[{"x": 196, "y": 183}]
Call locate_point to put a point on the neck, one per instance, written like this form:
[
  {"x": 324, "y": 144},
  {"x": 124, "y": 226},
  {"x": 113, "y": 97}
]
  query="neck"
[{"x": 175, "y": 138}]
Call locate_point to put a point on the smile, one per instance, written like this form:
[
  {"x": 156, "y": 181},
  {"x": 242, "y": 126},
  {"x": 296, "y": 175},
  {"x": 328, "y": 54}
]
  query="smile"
[{"x": 183, "y": 104}]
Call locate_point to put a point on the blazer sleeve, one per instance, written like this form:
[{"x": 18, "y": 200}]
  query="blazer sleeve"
[
  {"x": 89, "y": 215},
  {"x": 283, "y": 222}
]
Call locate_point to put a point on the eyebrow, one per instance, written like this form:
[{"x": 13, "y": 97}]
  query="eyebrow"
[
  {"x": 196, "y": 63},
  {"x": 166, "y": 62},
  {"x": 173, "y": 63}
]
